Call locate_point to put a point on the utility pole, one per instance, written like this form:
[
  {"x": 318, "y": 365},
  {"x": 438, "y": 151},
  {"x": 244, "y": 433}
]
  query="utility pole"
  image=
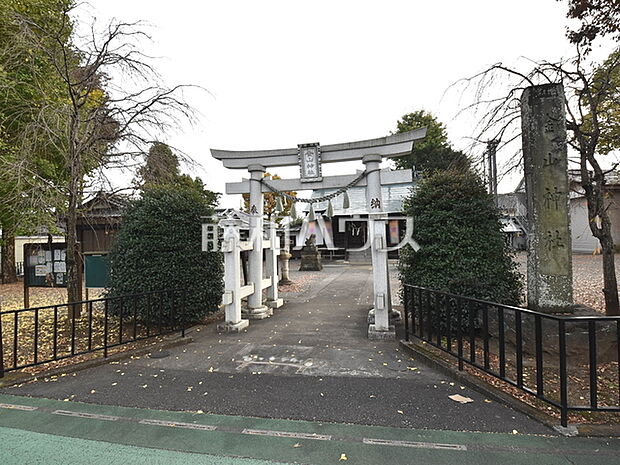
[{"x": 491, "y": 162}]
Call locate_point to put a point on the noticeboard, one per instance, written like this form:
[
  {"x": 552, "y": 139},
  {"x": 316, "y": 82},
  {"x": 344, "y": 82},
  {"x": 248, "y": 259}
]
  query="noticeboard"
[
  {"x": 45, "y": 265},
  {"x": 96, "y": 271}
]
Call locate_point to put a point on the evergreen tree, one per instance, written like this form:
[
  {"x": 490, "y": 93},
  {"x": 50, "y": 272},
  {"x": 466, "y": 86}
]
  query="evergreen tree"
[
  {"x": 159, "y": 247},
  {"x": 161, "y": 166},
  {"x": 462, "y": 247},
  {"x": 434, "y": 152}
]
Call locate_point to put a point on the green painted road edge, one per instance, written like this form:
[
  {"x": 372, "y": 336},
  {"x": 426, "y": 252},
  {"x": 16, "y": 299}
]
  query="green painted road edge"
[
  {"x": 19, "y": 449},
  {"x": 287, "y": 440}
]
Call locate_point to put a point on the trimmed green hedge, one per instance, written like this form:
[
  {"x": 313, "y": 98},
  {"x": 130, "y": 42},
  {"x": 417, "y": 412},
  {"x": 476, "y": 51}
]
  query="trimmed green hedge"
[
  {"x": 159, "y": 247},
  {"x": 463, "y": 250}
]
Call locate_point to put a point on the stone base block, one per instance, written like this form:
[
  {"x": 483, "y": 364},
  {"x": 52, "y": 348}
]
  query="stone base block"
[
  {"x": 376, "y": 335},
  {"x": 570, "y": 430},
  {"x": 395, "y": 317},
  {"x": 259, "y": 313},
  {"x": 229, "y": 327},
  {"x": 275, "y": 303},
  {"x": 310, "y": 264}
]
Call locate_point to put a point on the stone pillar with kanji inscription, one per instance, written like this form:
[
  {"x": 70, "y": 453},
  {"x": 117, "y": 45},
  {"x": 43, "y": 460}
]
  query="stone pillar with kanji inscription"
[
  {"x": 381, "y": 317},
  {"x": 549, "y": 264}
]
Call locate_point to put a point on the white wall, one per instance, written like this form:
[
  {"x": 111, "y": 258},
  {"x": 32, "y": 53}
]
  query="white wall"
[
  {"x": 583, "y": 240},
  {"x": 21, "y": 240}
]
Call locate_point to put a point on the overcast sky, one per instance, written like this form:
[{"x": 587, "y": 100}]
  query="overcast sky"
[{"x": 282, "y": 73}]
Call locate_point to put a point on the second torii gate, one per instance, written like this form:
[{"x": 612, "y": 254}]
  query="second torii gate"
[{"x": 310, "y": 157}]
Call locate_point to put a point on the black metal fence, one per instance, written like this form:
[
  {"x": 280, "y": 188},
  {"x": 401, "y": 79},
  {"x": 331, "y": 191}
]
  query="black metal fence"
[
  {"x": 570, "y": 362},
  {"x": 33, "y": 336}
]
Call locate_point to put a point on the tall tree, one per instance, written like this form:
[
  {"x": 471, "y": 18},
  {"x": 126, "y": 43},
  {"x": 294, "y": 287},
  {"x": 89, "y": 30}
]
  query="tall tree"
[
  {"x": 592, "y": 104},
  {"x": 606, "y": 81},
  {"x": 113, "y": 106},
  {"x": 597, "y": 18},
  {"x": 29, "y": 173},
  {"x": 434, "y": 152},
  {"x": 161, "y": 166}
]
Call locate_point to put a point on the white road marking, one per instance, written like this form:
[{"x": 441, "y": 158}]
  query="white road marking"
[
  {"x": 93, "y": 416},
  {"x": 419, "y": 445},
  {"x": 18, "y": 407},
  {"x": 178, "y": 424},
  {"x": 287, "y": 434}
]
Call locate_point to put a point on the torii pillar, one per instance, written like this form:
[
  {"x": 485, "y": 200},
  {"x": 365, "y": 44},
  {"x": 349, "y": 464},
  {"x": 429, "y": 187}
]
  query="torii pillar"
[
  {"x": 255, "y": 309},
  {"x": 379, "y": 316}
]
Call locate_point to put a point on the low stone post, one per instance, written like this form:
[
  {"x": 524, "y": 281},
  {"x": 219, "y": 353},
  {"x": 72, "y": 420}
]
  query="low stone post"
[
  {"x": 232, "y": 278},
  {"x": 285, "y": 257},
  {"x": 549, "y": 259}
]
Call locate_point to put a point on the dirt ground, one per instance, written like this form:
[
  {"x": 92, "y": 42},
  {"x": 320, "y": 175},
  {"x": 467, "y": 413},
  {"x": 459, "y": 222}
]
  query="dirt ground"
[
  {"x": 587, "y": 278},
  {"x": 12, "y": 296}
]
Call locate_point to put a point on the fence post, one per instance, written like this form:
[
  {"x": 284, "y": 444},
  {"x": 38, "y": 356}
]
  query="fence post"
[
  {"x": 539, "y": 356},
  {"x": 1, "y": 350},
  {"x": 459, "y": 331},
  {"x": 563, "y": 374},
  {"x": 105, "y": 329},
  {"x": 183, "y": 313},
  {"x": 406, "y": 295},
  {"x": 593, "y": 364}
]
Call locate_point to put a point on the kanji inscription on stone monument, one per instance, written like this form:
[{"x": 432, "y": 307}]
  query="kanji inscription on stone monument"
[{"x": 546, "y": 179}]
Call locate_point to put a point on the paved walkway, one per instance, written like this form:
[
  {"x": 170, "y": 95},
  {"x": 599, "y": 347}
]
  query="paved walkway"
[{"x": 311, "y": 363}]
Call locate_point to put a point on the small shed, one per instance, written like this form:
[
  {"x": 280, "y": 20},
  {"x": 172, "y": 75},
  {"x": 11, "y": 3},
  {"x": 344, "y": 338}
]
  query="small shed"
[{"x": 99, "y": 220}]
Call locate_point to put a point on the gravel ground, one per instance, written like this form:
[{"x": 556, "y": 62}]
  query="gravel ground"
[{"x": 587, "y": 278}]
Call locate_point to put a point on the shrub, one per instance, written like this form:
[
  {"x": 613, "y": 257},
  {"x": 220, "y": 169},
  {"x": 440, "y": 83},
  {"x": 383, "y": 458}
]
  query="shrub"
[
  {"x": 159, "y": 247},
  {"x": 463, "y": 250}
]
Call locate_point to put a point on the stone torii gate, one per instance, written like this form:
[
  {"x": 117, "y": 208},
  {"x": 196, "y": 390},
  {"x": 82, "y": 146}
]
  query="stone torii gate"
[{"x": 310, "y": 157}]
